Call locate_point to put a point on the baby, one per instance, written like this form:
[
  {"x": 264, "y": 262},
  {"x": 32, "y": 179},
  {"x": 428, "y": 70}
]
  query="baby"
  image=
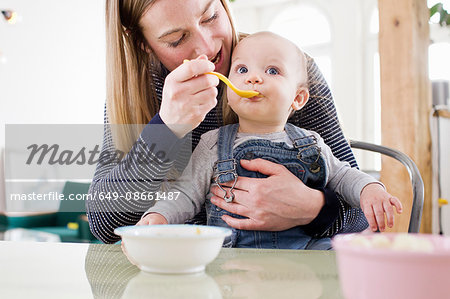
[{"x": 276, "y": 68}]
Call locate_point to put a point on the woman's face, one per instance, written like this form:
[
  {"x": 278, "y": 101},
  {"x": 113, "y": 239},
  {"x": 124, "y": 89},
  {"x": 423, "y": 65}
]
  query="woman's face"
[{"x": 184, "y": 29}]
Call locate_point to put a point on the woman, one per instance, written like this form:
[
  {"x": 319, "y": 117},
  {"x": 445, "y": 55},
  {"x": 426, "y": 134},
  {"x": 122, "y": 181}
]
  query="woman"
[{"x": 148, "y": 39}]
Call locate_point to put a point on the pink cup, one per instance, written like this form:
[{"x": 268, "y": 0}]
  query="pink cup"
[{"x": 384, "y": 273}]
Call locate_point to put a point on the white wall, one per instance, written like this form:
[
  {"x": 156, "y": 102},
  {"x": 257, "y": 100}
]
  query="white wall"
[{"x": 55, "y": 69}]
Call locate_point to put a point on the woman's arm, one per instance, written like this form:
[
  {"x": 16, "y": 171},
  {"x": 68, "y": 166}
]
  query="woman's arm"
[
  {"x": 141, "y": 171},
  {"x": 118, "y": 186},
  {"x": 189, "y": 191}
]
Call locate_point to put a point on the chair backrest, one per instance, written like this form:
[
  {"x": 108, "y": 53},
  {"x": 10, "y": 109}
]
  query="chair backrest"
[
  {"x": 70, "y": 210},
  {"x": 414, "y": 174}
]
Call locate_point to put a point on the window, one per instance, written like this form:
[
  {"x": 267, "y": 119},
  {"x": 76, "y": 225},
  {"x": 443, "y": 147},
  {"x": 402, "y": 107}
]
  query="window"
[
  {"x": 438, "y": 60},
  {"x": 294, "y": 23}
]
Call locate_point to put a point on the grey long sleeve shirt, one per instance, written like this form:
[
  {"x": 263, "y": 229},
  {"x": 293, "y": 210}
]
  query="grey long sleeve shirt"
[{"x": 193, "y": 186}]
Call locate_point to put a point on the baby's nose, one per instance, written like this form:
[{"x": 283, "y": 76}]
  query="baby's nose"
[{"x": 253, "y": 79}]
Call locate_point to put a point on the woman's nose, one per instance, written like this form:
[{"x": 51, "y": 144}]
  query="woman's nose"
[{"x": 204, "y": 44}]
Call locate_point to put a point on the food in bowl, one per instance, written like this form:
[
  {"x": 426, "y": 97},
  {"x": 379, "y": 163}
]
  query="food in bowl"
[
  {"x": 173, "y": 249},
  {"x": 413, "y": 266},
  {"x": 400, "y": 242}
]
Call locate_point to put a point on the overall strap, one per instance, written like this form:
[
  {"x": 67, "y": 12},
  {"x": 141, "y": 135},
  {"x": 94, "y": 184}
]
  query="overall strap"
[
  {"x": 225, "y": 166},
  {"x": 299, "y": 138},
  {"x": 225, "y": 141},
  {"x": 308, "y": 151}
]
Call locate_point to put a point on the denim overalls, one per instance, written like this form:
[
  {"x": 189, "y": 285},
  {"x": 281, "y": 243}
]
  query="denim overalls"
[{"x": 304, "y": 160}]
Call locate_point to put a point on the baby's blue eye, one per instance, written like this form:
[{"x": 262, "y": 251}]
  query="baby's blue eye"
[
  {"x": 272, "y": 71},
  {"x": 242, "y": 70}
]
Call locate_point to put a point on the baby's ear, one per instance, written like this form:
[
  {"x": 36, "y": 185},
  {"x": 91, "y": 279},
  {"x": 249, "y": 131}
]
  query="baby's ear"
[{"x": 301, "y": 98}]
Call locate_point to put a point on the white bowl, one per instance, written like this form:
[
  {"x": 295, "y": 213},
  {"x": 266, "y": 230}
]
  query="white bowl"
[{"x": 174, "y": 249}]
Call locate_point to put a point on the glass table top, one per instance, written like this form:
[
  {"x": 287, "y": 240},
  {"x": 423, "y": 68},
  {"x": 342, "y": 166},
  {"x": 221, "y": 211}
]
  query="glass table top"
[{"x": 69, "y": 270}]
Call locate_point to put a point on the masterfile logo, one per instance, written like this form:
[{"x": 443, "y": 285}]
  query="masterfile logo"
[
  {"x": 41, "y": 159},
  {"x": 72, "y": 152}
]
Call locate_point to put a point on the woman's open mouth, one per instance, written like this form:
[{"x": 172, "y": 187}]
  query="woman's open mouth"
[{"x": 217, "y": 60}]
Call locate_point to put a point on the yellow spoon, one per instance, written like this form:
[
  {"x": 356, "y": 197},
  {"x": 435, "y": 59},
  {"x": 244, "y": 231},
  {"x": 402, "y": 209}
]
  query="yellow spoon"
[{"x": 239, "y": 92}]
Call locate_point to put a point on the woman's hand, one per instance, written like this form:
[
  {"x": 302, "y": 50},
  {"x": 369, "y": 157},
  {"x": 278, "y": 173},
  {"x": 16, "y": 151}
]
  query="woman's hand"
[
  {"x": 188, "y": 95},
  {"x": 375, "y": 203},
  {"x": 278, "y": 202},
  {"x": 152, "y": 218}
]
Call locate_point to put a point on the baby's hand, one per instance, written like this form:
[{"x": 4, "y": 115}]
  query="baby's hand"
[
  {"x": 375, "y": 202},
  {"x": 152, "y": 218}
]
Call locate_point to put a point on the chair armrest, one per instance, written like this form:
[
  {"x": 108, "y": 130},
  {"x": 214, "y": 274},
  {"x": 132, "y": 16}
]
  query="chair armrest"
[{"x": 414, "y": 174}]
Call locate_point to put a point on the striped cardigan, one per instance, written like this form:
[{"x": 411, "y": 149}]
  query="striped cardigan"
[{"x": 120, "y": 180}]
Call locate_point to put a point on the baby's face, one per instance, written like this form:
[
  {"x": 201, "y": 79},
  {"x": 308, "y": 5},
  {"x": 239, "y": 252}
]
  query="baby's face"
[{"x": 271, "y": 66}]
